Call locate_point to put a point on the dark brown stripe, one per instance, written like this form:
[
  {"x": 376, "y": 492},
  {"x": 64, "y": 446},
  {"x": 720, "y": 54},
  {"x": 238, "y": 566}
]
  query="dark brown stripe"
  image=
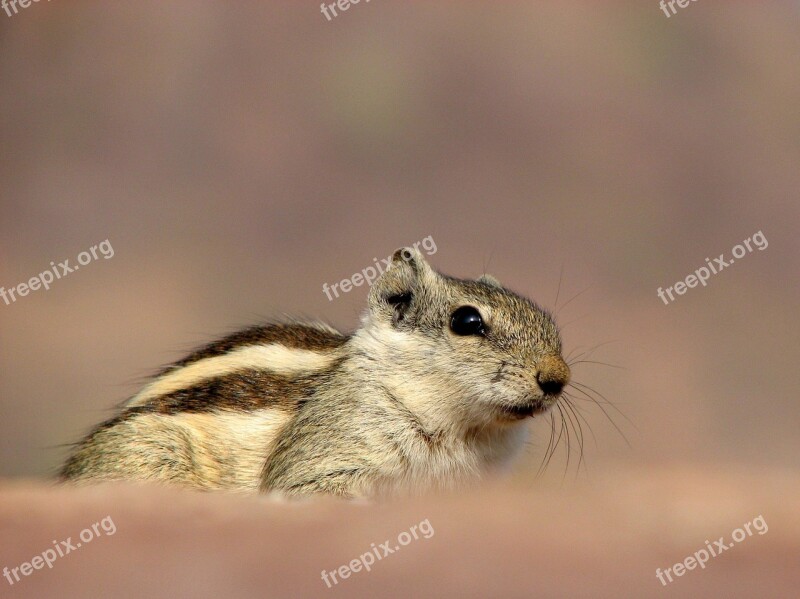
[
  {"x": 241, "y": 391},
  {"x": 292, "y": 335}
]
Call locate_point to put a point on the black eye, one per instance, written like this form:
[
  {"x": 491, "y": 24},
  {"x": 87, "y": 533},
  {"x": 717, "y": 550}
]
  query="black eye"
[{"x": 466, "y": 320}]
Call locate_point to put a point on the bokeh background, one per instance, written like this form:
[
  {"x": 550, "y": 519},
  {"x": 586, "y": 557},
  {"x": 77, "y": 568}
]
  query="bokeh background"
[{"x": 238, "y": 156}]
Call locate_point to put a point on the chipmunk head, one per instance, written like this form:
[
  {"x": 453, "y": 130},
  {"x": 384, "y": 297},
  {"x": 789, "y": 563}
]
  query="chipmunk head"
[{"x": 489, "y": 354}]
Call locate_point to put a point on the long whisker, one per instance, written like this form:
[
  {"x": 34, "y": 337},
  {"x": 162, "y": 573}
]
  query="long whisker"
[
  {"x": 555, "y": 445},
  {"x": 578, "y": 429},
  {"x": 572, "y": 351},
  {"x": 488, "y": 263},
  {"x": 611, "y": 420},
  {"x": 571, "y": 424},
  {"x": 589, "y": 398},
  {"x": 571, "y": 364},
  {"x": 574, "y": 320},
  {"x": 579, "y": 413},
  {"x": 591, "y": 350},
  {"x": 580, "y": 434},
  {"x": 569, "y": 443},
  {"x": 607, "y": 401},
  {"x": 576, "y": 296},
  {"x": 543, "y": 465},
  {"x": 558, "y": 292}
]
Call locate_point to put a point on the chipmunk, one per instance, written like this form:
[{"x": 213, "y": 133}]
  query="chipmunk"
[{"x": 432, "y": 390}]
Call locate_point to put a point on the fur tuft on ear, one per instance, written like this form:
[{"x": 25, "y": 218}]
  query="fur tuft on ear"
[
  {"x": 394, "y": 293},
  {"x": 489, "y": 280}
]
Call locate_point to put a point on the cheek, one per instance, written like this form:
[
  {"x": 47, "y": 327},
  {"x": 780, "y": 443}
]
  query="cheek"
[{"x": 488, "y": 380}]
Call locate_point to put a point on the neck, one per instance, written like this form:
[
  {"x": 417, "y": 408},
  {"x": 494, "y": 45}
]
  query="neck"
[{"x": 397, "y": 366}]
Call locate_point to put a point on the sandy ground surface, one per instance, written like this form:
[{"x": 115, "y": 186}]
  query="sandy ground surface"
[{"x": 583, "y": 540}]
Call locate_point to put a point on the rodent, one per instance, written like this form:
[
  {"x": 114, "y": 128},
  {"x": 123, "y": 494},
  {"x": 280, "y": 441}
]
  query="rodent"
[{"x": 432, "y": 391}]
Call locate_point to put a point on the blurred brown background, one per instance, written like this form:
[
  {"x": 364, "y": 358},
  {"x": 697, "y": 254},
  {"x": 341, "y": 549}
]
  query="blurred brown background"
[{"x": 239, "y": 156}]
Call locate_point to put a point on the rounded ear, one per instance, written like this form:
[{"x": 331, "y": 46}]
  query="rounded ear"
[
  {"x": 489, "y": 280},
  {"x": 394, "y": 294}
]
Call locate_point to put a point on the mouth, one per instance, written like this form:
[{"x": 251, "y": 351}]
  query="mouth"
[{"x": 529, "y": 409}]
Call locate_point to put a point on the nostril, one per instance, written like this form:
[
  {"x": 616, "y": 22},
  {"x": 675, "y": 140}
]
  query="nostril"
[{"x": 550, "y": 387}]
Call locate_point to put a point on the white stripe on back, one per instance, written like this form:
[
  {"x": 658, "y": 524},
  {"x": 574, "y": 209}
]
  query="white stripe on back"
[{"x": 274, "y": 357}]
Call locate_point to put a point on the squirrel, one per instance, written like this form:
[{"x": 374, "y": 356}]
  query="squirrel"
[{"x": 432, "y": 391}]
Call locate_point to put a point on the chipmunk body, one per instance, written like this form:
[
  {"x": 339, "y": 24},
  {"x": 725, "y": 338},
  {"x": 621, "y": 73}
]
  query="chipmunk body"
[{"x": 432, "y": 390}]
